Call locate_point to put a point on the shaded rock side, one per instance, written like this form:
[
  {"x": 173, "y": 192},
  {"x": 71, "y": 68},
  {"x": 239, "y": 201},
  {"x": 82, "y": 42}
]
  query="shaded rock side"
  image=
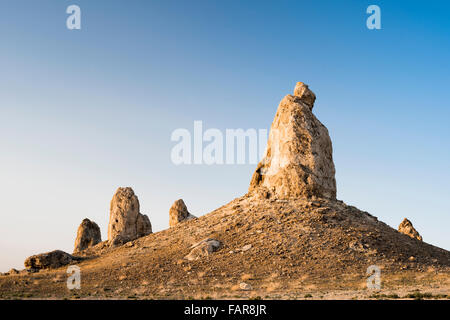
[
  {"x": 88, "y": 235},
  {"x": 298, "y": 161},
  {"x": 50, "y": 260},
  {"x": 407, "y": 228},
  {"x": 178, "y": 213},
  {"x": 125, "y": 220}
]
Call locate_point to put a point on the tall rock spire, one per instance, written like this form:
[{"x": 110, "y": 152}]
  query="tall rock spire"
[{"x": 298, "y": 161}]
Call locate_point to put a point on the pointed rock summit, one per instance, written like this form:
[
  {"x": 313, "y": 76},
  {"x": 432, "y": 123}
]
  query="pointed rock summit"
[
  {"x": 406, "y": 227},
  {"x": 126, "y": 223},
  {"x": 298, "y": 161}
]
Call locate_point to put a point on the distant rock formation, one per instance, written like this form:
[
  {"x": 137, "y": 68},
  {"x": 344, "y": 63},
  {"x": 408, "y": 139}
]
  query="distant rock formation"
[
  {"x": 88, "y": 235},
  {"x": 407, "y": 228},
  {"x": 50, "y": 260},
  {"x": 126, "y": 223},
  {"x": 178, "y": 213},
  {"x": 298, "y": 161}
]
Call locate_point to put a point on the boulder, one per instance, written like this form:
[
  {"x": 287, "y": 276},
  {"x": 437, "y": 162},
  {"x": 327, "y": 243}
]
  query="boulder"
[
  {"x": 126, "y": 223},
  {"x": 50, "y": 260},
  {"x": 88, "y": 235},
  {"x": 298, "y": 162},
  {"x": 203, "y": 248},
  {"x": 178, "y": 213},
  {"x": 407, "y": 228}
]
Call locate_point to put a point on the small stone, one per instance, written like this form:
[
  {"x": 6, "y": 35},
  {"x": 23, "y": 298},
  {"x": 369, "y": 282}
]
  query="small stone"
[
  {"x": 246, "y": 247},
  {"x": 245, "y": 286},
  {"x": 298, "y": 162},
  {"x": 305, "y": 94}
]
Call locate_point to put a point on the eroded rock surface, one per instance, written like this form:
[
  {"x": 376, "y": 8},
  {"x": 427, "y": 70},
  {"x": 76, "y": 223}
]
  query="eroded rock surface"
[
  {"x": 298, "y": 161},
  {"x": 88, "y": 235},
  {"x": 407, "y": 228},
  {"x": 178, "y": 213},
  {"x": 126, "y": 223}
]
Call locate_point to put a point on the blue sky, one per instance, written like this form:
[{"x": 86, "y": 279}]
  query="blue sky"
[{"x": 83, "y": 112}]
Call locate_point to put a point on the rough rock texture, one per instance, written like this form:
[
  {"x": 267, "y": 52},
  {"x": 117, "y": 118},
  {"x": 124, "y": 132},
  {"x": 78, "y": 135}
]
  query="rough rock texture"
[
  {"x": 143, "y": 225},
  {"x": 50, "y": 260},
  {"x": 178, "y": 213},
  {"x": 407, "y": 228},
  {"x": 13, "y": 271},
  {"x": 88, "y": 235},
  {"x": 203, "y": 249},
  {"x": 298, "y": 162},
  {"x": 125, "y": 220}
]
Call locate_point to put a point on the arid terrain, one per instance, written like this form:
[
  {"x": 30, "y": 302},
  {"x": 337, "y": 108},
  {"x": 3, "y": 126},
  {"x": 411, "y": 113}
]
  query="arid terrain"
[{"x": 287, "y": 238}]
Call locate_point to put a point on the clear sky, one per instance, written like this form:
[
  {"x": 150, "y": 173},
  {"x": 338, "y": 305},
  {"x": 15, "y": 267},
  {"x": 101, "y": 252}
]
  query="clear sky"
[{"x": 83, "y": 112}]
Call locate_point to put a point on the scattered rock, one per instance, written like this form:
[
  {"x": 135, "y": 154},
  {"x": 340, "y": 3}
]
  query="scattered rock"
[
  {"x": 245, "y": 286},
  {"x": 407, "y": 228},
  {"x": 126, "y": 223},
  {"x": 298, "y": 162},
  {"x": 88, "y": 235},
  {"x": 246, "y": 247},
  {"x": 307, "y": 96},
  {"x": 50, "y": 260},
  {"x": 203, "y": 248},
  {"x": 178, "y": 213}
]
